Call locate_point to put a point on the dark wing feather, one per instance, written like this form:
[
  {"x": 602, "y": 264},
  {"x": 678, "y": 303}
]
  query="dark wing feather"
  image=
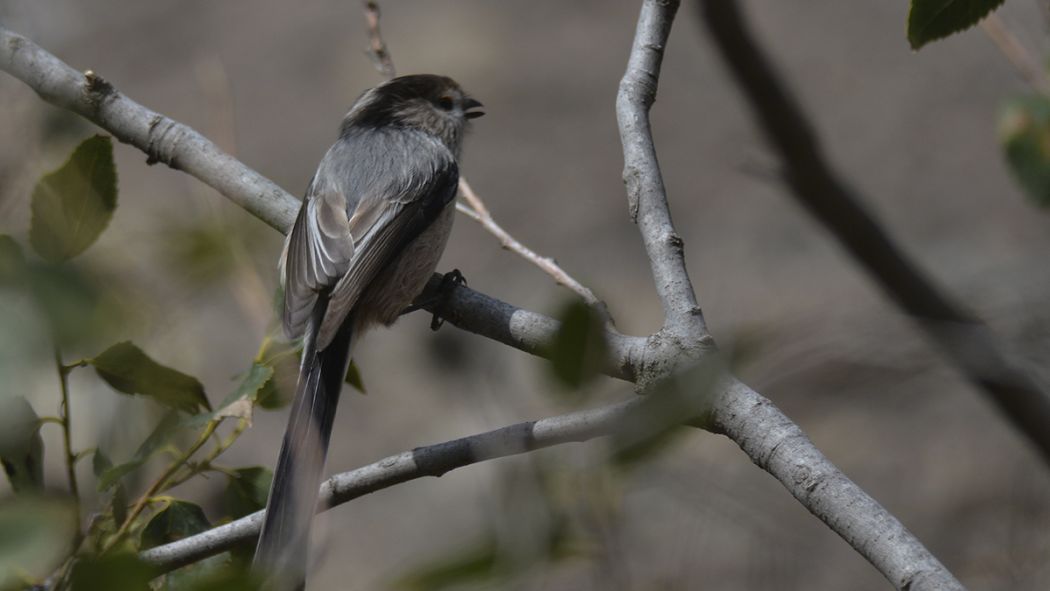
[{"x": 384, "y": 233}]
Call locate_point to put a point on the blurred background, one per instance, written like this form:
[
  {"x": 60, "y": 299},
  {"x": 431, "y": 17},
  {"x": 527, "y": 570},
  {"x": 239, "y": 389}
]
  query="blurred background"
[{"x": 193, "y": 277}]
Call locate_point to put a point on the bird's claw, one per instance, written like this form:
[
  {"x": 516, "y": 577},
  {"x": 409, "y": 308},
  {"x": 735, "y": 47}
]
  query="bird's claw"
[{"x": 449, "y": 281}]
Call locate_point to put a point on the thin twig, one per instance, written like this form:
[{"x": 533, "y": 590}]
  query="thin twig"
[
  {"x": 67, "y": 438},
  {"x": 377, "y": 49},
  {"x": 1015, "y": 52},
  {"x": 206, "y": 462},
  {"x": 476, "y": 210},
  {"x": 160, "y": 484}
]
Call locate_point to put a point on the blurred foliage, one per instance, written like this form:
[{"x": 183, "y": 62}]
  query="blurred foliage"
[
  {"x": 200, "y": 252},
  {"x": 178, "y": 520},
  {"x": 21, "y": 447},
  {"x": 579, "y": 350},
  {"x": 73, "y": 205},
  {"x": 75, "y": 301},
  {"x": 247, "y": 491},
  {"x": 159, "y": 439},
  {"x": 41, "y": 537},
  {"x": 36, "y": 535},
  {"x": 12, "y": 261},
  {"x": 119, "y": 572},
  {"x": 929, "y": 20},
  {"x": 100, "y": 467},
  {"x": 1024, "y": 130}
]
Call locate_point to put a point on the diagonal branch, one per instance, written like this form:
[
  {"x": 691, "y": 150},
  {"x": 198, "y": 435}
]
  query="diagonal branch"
[
  {"x": 431, "y": 460},
  {"x": 477, "y": 211},
  {"x": 647, "y": 198},
  {"x": 962, "y": 337},
  {"x": 377, "y": 49}
]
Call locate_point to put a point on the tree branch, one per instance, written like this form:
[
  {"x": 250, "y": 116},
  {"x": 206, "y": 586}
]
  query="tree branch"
[
  {"x": 769, "y": 438},
  {"x": 526, "y": 330},
  {"x": 753, "y": 422},
  {"x": 779, "y": 447},
  {"x": 431, "y": 460},
  {"x": 647, "y": 198},
  {"x": 962, "y": 337},
  {"x": 182, "y": 148},
  {"x": 162, "y": 139}
]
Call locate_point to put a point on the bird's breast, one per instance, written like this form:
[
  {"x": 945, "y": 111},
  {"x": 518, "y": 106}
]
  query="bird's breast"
[{"x": 404, "y": 279}]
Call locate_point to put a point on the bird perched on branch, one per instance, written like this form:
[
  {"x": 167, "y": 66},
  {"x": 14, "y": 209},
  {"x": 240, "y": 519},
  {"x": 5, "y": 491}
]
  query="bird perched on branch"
[{"x": 370, "y": 231}]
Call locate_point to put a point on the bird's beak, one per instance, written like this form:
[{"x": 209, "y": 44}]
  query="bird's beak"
[{"x": 472, "y": 108}]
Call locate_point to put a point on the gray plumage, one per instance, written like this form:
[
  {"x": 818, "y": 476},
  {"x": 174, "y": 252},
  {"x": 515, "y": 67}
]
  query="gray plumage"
[{"x": 369, "y": 234}]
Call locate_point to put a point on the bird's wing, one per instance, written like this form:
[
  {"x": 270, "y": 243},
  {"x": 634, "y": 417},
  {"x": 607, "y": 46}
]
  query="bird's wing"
[
  {"x": 329, "y": 251},
  {"x": 318, "y": 251},
  {"x": 383, "y": 228}
]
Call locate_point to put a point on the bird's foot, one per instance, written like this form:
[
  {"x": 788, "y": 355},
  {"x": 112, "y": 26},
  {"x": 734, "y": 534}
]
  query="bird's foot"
[{"x": 449, "y": 281}]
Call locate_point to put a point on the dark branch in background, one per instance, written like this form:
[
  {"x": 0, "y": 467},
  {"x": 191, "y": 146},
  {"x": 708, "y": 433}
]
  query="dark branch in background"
[
  {"x": 961, "y": 336},
  {"x": 769, "y": 438}
]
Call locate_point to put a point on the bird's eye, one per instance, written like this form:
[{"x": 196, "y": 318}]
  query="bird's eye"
[{"x": 445, "y": 103}]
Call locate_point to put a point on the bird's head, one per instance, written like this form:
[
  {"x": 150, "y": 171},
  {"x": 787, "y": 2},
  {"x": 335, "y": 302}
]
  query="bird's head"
[{"x": 432, "y": 104}]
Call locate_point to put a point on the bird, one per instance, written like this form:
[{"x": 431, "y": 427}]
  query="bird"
[{"x": 372, "y": 225}]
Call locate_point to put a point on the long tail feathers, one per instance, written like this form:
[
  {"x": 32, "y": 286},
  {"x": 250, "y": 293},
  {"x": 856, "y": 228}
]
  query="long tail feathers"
[{"x": 282, "y": 550}]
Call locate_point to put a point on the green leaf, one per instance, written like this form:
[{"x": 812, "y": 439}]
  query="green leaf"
[
  {"x": 100, "y": 466},
  {"x": 21, "y": 447},
  {"x": 179, "y": 520},
  {"x": 161, "y": 435},
  {"x": 353, "y": 377},
  {"x": 12, "y": 261},
  {"x": 246, "y": 492},
  {"x": 113, "y": 572},
  {"x": 240, "y": 402},
  {"x": 578, "y": 352},
  {"x": 929, "y": 20},
  {"x": 1024, "y": 130},
  {"x": 36, "y": 534},
  {"x": 73, "y": 205},
  {"x": 125, "y": 367},
  {"x": 279, "y": 390}
]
